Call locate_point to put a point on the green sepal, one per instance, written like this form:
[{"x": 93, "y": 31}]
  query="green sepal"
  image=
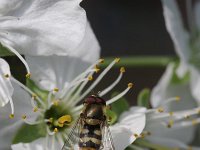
[
  {"x": 28, "y": 133},
  {"x": 111, "y": 116},
  {"x": 43, "y": 94},
  {"x": 120, "y": 105},
  {"x": 143, "y": 98}
]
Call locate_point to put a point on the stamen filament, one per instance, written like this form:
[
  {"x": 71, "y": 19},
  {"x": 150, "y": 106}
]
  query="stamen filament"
[
  {"x": 120, "y": 95},
  {"x": 28, "y": 90},
  {"x": 17, "y": 54},
  {"x": 109, "y": 88},
  {"x": 74, "y": 100},
  {"x": 98, "y": 79},
  {"x": 12, "y": 106},
  {"x": 30, "y": 122},
  {"x": 50, "y": 132},
  {"x": 83, "y": 75}
]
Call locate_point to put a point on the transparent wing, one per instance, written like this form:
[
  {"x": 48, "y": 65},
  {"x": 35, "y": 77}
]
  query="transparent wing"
[
  {"x": 74, "y": 136},
  {"x": 107, "y": 141}
]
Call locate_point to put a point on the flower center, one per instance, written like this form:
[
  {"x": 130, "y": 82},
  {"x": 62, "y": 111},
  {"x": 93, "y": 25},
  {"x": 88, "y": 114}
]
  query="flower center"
[{"x": 58, "y": 117}]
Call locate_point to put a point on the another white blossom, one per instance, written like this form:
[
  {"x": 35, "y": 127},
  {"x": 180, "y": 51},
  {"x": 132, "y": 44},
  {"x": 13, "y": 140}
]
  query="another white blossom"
[{"x": 186, "y": 41}]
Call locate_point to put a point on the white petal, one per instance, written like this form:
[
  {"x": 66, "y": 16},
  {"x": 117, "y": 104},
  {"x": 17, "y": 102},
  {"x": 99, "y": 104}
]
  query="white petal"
[
  {"x": 175, "y": 27},
  {"x": 159, "y": 90},
  {"x": 131, "y": 122},
  {"x": 183, "y": 134},
  {"x": 8, "y": 127},
  {"x": 6, "y": 88},
  {"x": 195, "y": 83},
  {"x": 48, "y": 27},
  {"x": 39, "y": 144},
  {"x": 168, "y": 142},
  {"x": 55, "y": 71}
]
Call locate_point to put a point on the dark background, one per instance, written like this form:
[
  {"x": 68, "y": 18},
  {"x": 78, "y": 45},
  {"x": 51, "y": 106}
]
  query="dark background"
[{"x": 130, "y": 28}]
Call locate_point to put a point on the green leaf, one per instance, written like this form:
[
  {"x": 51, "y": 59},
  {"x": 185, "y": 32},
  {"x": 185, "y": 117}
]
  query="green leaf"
[
  {"x": 39, "y": 92},
  {"x": 29, "y": 133},
  {"x": 143, "y": 98},
  {"x": 120, "y": 105},
  {"x": 112, "y": 116},
  {"x": 4, "y": 51}
]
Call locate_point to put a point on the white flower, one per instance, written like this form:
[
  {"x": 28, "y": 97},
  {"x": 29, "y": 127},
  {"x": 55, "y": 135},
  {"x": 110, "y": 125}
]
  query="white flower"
[
  {"x": 60, "y": 77},
  {"x": 35, "y": 27},
  {"x": 172, "y": 123},
  {"x": 6, "y": 88},
  {"x": 186, "y": 41}
]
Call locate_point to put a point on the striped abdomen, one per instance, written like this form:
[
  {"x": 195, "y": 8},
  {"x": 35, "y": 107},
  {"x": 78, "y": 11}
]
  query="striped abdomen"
[{"x": 90, "y": 137}]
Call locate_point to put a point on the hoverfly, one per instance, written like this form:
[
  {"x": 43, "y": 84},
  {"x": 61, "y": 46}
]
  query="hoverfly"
[{"x": 91, "y": 130}]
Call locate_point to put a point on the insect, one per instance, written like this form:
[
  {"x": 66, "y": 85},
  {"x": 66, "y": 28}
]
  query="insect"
[{"x": 91, "y": 130}]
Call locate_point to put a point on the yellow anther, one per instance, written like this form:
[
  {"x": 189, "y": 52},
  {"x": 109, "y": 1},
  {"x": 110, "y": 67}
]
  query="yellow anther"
[
  {"x": 160, "y": 109},
  {"x": 101, "y": 60},
  {"x": 35, "y": 109},
  {"x": 171, "y": 113},
  {"x": 34, "y": 96},
  {"x": 136, "y": 135},
  {"x": 55, "y": 102},
  {"x": 90, "y": 78},
  {"x": 130, "y": 85},
  {"x": 96, "y": 69},
  {"x": 55, "y": 130},
  {"x": 28, "y": 75},
  {"x": 55, "y": 89},
  {"x": 11, "y": 116},
  {"x": 142, "y": 135},
  {"x": 194, "y": 122},
  {"x": 65, "y": 118},
  {"x": 6, "y": 75},
  {"x": 177, "y": 98},
  {"x": 117, "y": 60},
  {"x": 23, "y": 117},
  {"x": 148, "y": 133},
  {"x": 122, "y": 70},
  {"x": 170, "y": 124}
]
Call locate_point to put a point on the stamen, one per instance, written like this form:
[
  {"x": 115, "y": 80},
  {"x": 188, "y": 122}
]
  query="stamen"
[
  {"x": 74, "y": 86},
  {"x": 55, "y": 89},
  {"x": 98, "y": 79},
  {"x": 6, "y": 75},
  {"x": 17, "y": 54},
  {"x": 49, "y": 98},
  {"x": 28, "y": 90},
  {"x": 74, "y": 99},
  {"x": 12, "y": 108},
  {"x": 24, "y": 117},
  {"x": 50, "y": 132},
  {"x": 55, "y": 130},
  {"x": 11, "y": 116},
  {"x": 130, "y": 85},
  {"x": 176, "y": 99},
  {"x": 90, "y": 70},
  {"x": 109, "y": 88}
]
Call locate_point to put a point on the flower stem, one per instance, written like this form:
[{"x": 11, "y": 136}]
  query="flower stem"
[{"x": 141, "y": 61}]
